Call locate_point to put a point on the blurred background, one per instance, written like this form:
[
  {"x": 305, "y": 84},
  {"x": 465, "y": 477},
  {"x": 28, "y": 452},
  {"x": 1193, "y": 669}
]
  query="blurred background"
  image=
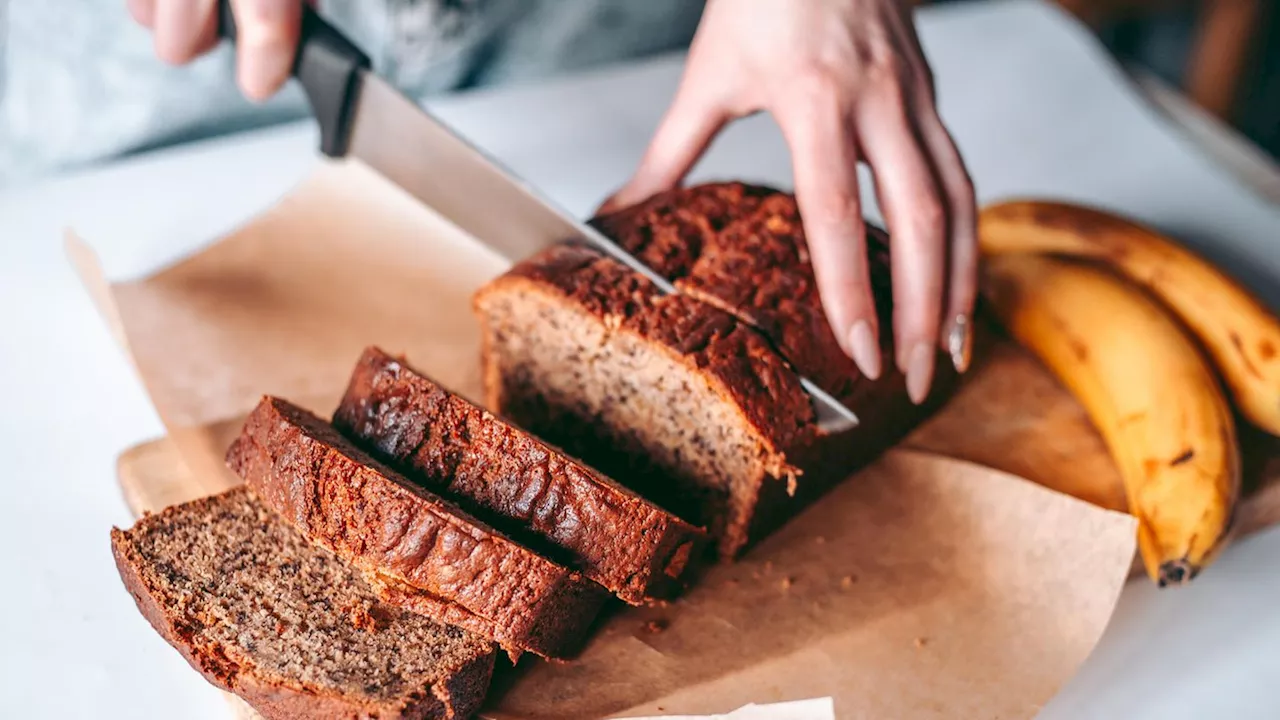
[
  {"x": 80, "y": 84},
  {"x": 1223, "y": 54}
]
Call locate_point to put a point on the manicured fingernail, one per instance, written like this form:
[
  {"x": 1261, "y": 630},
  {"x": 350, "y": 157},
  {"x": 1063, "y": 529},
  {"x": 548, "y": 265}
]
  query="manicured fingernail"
[
  {"x": 864, "y": 349},
  {"x": 960, "y": 342},
  {"x": 920, "y": 371}
]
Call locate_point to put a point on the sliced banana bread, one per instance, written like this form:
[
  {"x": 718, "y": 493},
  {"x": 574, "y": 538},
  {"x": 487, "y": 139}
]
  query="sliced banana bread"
[
  {"x": 519, "y": 484},
  {"x": 287, "y": 626},
  {"x": 692, "y": 398},
  {"x": 418, "y": 550}
]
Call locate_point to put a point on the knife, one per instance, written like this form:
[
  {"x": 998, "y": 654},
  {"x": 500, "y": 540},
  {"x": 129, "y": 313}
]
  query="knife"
[{"x": 361, "y": 115}]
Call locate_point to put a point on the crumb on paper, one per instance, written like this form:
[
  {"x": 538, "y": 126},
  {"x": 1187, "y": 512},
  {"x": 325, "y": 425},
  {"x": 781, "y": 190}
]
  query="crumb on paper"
[
  {"x": 847, "y": 581},
  {"x": 653, "y": 627},
  {"x": 787, "y": 582},
  {"x": 679, "y": 560},
  {"x": 920, "y": 642},
  {"x": 820, "y": 540}
]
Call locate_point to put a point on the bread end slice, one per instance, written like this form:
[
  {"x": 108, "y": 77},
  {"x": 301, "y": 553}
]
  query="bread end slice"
[{"x": 287, "y": 626}]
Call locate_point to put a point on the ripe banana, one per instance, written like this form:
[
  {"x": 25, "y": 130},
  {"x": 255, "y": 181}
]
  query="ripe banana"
[
  {"x": 1237, "y": 331},
  {"x": 1147, "y": 389}
]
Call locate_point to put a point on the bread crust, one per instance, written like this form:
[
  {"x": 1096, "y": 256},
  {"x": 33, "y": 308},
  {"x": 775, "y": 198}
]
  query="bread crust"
[
  {"x": 615, "y": 537},
  {"x": 738, "y": 362},
  {"x": 742, "y": 248}
]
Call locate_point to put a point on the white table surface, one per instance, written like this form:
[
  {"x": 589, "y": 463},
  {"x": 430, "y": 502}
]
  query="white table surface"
[{"x": 1035, "y": 110}]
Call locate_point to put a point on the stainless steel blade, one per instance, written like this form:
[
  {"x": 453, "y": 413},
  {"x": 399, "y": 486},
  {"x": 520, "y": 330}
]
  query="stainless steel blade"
[{"x": 417, "y": 152}]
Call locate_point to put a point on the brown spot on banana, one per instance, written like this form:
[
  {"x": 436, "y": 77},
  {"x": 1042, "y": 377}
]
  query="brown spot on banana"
[
  {"x": 1184, "y": 457},
  {"x": 1244, "y": 357},
  {"x": 1080, "y": 350},
  {"x": 1266, "y": 350},
  {"x": 1150, "y": 467}
]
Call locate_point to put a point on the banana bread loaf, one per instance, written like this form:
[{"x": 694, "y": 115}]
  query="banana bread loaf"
[
  {"x": 517, "y": 483},
  {"x": 417, "y": 550},
  {"x": 694, "y": 398},
  {"x": 287, "y": 626}
]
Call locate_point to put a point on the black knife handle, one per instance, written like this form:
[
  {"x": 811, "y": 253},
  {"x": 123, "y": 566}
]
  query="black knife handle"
[{"x": 328, "y": 65}]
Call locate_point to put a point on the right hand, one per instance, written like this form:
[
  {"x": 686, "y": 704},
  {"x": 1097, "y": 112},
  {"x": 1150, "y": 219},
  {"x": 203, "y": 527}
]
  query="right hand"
[
  {"x": 846, "y": 80},
  {"x": 267, "y": 36}
]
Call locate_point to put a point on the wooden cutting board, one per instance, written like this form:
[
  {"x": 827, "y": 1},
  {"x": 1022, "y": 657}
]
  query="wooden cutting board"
[{"x": 1010, "y": 414}]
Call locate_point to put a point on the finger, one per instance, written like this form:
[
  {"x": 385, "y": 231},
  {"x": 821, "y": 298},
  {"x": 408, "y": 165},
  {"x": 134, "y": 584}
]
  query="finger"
[
  {"x": 143, "y": 12},
  {"x": 962, "y": 273},
  {"x": 825, "y": 161},
  {"x": 266, "y": 39},
  {"x": 690, "y": 124},
  {"x": 183, "y": 28},
  {"x": 913, "y": 206},
  {"x": 916, "y": 57}
]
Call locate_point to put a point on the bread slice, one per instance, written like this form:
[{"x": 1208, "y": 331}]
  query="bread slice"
[
  {"x": 693, "y": 398},
  {"x": 521, "y": 485},
  {"x": 675, "y": 396},
  {"x": 418, "y": 550},
  {"x": 288, "y": 627}
]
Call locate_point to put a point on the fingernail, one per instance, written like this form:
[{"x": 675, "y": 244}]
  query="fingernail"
[
  {"x": 960, "y": 342},
  {"x": 864, "y": 349},
  {"x": 920, "y": 371}
]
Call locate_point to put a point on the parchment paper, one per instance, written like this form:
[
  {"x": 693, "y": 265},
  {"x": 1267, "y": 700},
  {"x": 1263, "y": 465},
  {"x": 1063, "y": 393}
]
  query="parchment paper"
[{"x": 924, "y": 587}]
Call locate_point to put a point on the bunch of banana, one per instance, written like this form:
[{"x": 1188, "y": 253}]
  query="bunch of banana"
[
  {"x": 1114, "y": 336},
  {"x": 1238, "y": 332}
]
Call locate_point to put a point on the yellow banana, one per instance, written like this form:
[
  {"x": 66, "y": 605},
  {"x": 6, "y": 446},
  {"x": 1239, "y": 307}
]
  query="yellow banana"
[
  {"x": 1238, "y": 332},
  {"x": 1147, "y": 389}
]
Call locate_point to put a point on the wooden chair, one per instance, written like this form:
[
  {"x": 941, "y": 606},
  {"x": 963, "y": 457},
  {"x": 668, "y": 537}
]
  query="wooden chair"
[{"x": 1225, "y": 35}]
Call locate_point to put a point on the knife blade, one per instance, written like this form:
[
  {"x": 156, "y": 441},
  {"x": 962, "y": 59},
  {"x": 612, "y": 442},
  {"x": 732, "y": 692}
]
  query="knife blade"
[{"x": 363, "y": 116}]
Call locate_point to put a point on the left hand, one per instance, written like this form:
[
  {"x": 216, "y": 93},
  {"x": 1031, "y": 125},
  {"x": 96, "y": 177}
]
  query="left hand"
[{"x": 846, "y": 81}]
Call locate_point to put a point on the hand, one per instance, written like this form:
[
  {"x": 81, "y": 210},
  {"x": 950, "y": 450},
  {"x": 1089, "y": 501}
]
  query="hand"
[
  {"x": 846, "y": 81},
  {"x": 267, "y": 35}
]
